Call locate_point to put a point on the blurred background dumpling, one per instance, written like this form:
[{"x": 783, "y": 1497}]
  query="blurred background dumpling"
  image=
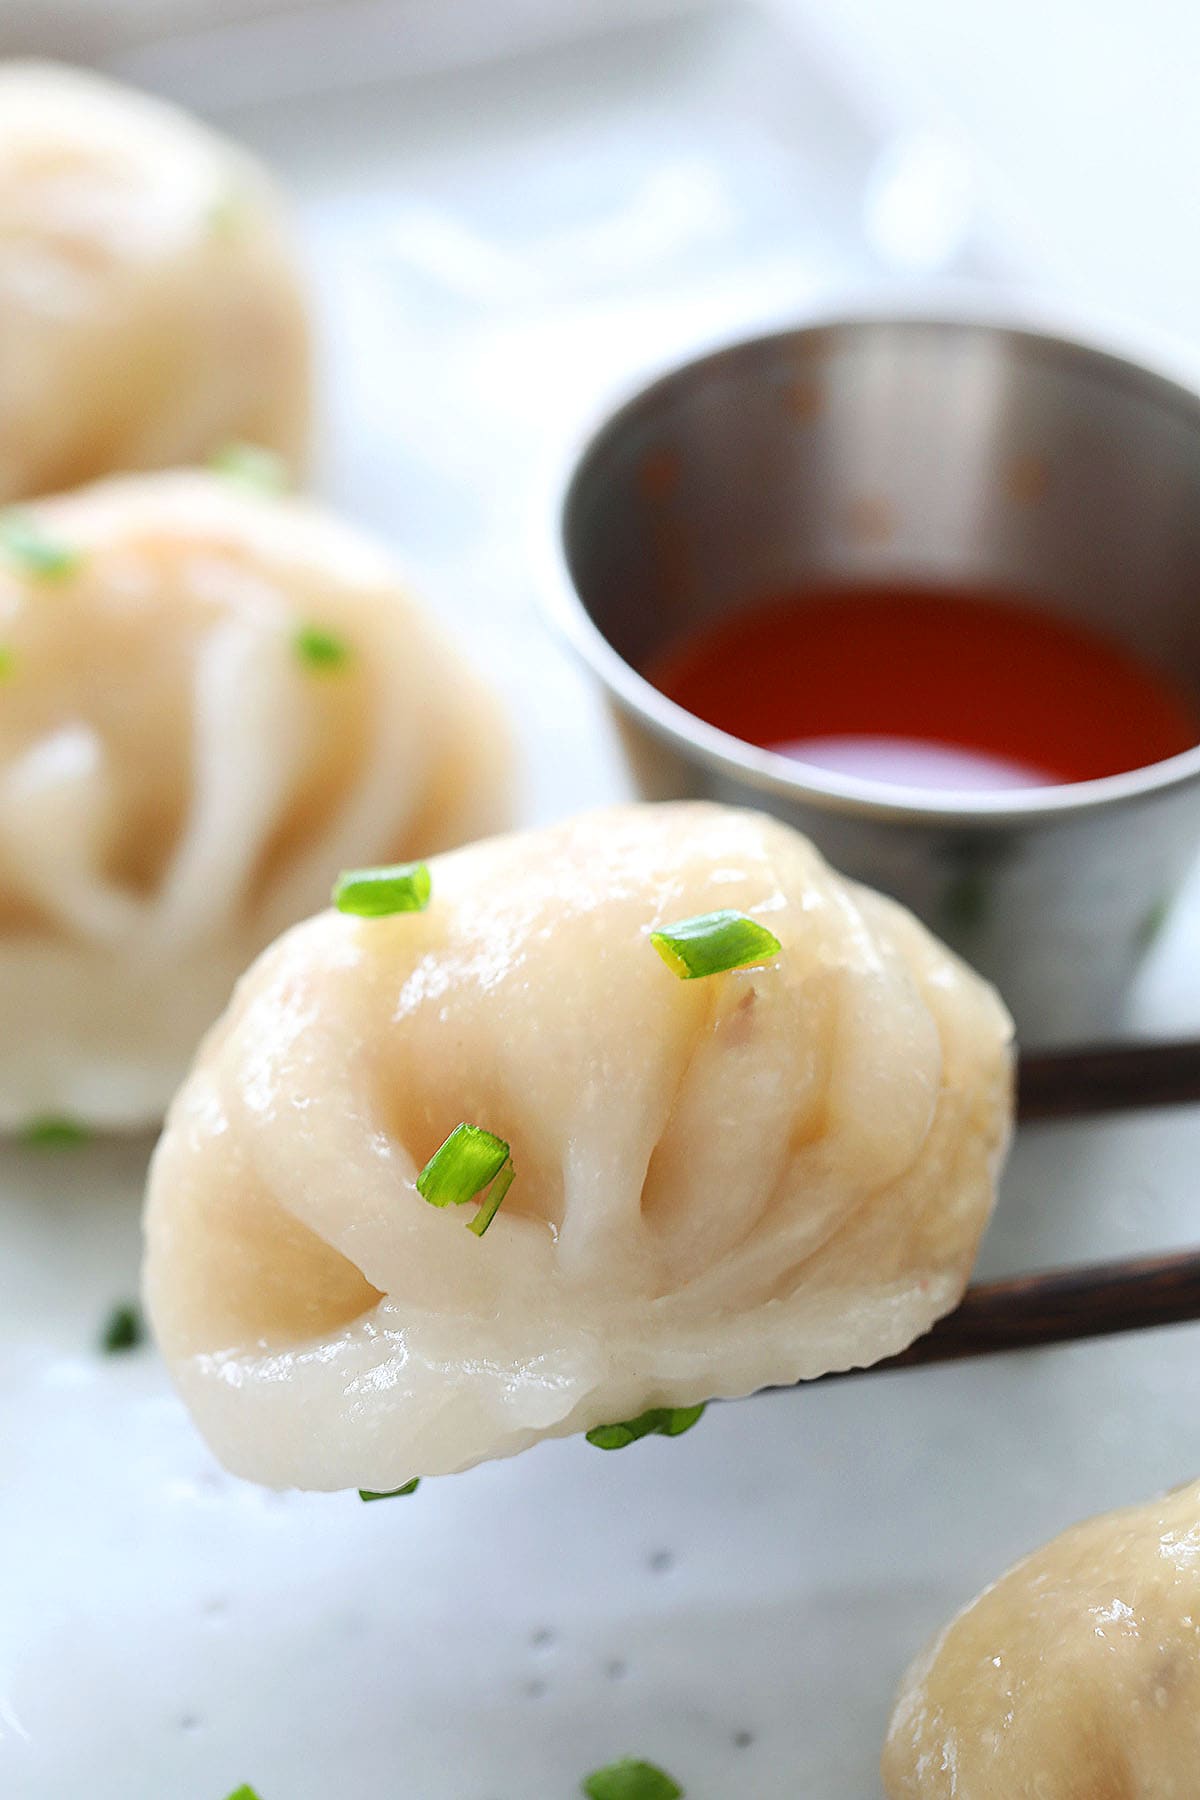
[
  {"x": 150, "y": 309},
  {"x": 1076, "y": 1676},
  {"x": 211, "y": 699},
  {"x": 720, "y": 1183}
]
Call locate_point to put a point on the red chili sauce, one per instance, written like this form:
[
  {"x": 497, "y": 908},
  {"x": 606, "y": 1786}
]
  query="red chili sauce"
[{"x": 930, "y": 688}]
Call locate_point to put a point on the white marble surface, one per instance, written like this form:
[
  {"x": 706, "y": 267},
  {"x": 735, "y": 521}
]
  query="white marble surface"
[{"x": 493, "y": 252}]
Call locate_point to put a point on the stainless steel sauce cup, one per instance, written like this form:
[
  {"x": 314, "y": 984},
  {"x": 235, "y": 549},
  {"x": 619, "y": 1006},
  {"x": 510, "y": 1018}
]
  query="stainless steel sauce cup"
[{"x": 894, "y": 449}]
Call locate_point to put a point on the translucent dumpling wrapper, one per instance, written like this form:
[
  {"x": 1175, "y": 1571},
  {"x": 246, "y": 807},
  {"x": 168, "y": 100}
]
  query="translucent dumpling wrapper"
[
  {"x": 1076, "y": 1676},
  {"x": 212, "y": 701},
  {"x": 150, "y": 308},
  {"x": 720, "y": 1183}
]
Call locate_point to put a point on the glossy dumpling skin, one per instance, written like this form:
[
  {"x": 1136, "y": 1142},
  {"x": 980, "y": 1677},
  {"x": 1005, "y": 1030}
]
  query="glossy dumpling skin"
[
  {"x": 720, "y": 1183},
  {"x": 1076, "y": 1676},
  {"x": 178, "y": 783},
  {"x": 150, "y": 309}
]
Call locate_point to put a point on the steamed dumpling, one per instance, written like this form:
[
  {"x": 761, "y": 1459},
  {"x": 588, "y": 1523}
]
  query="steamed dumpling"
[
  {"x": 149, "y": 306},
  {"x": 210, "y": 701},
  {"x": 1076, "y": 1676},
  {"x": 720, "y": 1183}
]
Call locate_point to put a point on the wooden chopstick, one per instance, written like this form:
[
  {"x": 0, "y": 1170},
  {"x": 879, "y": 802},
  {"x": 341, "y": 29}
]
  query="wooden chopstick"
[
  {"x": 1064, "y": 1084},
  {"x": 1058, "y": 1306},
  {"x": 1063, "y": 1306}
]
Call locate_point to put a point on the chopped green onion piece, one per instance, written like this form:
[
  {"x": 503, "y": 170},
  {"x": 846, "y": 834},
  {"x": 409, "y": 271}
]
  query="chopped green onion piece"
[
  {"x": 8, "y": 663},
  {"x": 252, "y": 466},
  {"x": 226, "y": 212},
  {"x": 54, "y": 1134},
  {"x": 491, "y": 1203},
  {"x": 123, "y": 1331},
  {"x": 966, "y": 900},
  {"x": 410, "y": 1487},
  {"x": 630, "y": 1779},
  {"x": 44, "y": 557},
  {"x": 245, "y": 1792},
  {"x": 1147, "y": 933},
  {"x": 377, "y": 893},
  {"x": 712, "y": 943},
  {"x": 469, "y": 1159},
  {"x": 663, "y": 1421},
  {"x": 320, "y": 650}
]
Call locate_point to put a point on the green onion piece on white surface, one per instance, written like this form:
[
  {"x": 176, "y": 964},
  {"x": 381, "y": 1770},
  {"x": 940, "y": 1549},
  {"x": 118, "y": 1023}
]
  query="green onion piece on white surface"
[
  {"x": 54, "y": 1134},
  {"x": 631, "y": 1779},
  {"x": 123, "y": 1330}
]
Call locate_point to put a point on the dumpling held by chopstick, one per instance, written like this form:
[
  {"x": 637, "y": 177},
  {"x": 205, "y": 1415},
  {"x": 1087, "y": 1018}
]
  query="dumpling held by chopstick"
[{"x": 716, "y": 1117}]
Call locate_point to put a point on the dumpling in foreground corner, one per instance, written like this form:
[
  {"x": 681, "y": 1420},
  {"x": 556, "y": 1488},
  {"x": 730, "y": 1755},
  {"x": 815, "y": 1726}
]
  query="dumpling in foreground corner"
[
  {"x": 1076, "y": 1676},
  {"x": 150, "y": 308},
  {"x": 211, "y": 699},
  {"x": 720, "y": 1183}
]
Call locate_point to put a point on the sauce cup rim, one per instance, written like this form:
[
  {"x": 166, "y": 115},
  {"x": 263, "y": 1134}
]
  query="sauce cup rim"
[{"x": 1168, "y": 368}]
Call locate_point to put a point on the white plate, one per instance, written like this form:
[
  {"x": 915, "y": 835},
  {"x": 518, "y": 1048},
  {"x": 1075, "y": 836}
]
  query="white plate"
[{"x": 495, "y": 247}]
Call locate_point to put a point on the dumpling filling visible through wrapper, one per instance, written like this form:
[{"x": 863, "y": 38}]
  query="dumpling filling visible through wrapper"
[{"x": 721, "y": 1184}]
